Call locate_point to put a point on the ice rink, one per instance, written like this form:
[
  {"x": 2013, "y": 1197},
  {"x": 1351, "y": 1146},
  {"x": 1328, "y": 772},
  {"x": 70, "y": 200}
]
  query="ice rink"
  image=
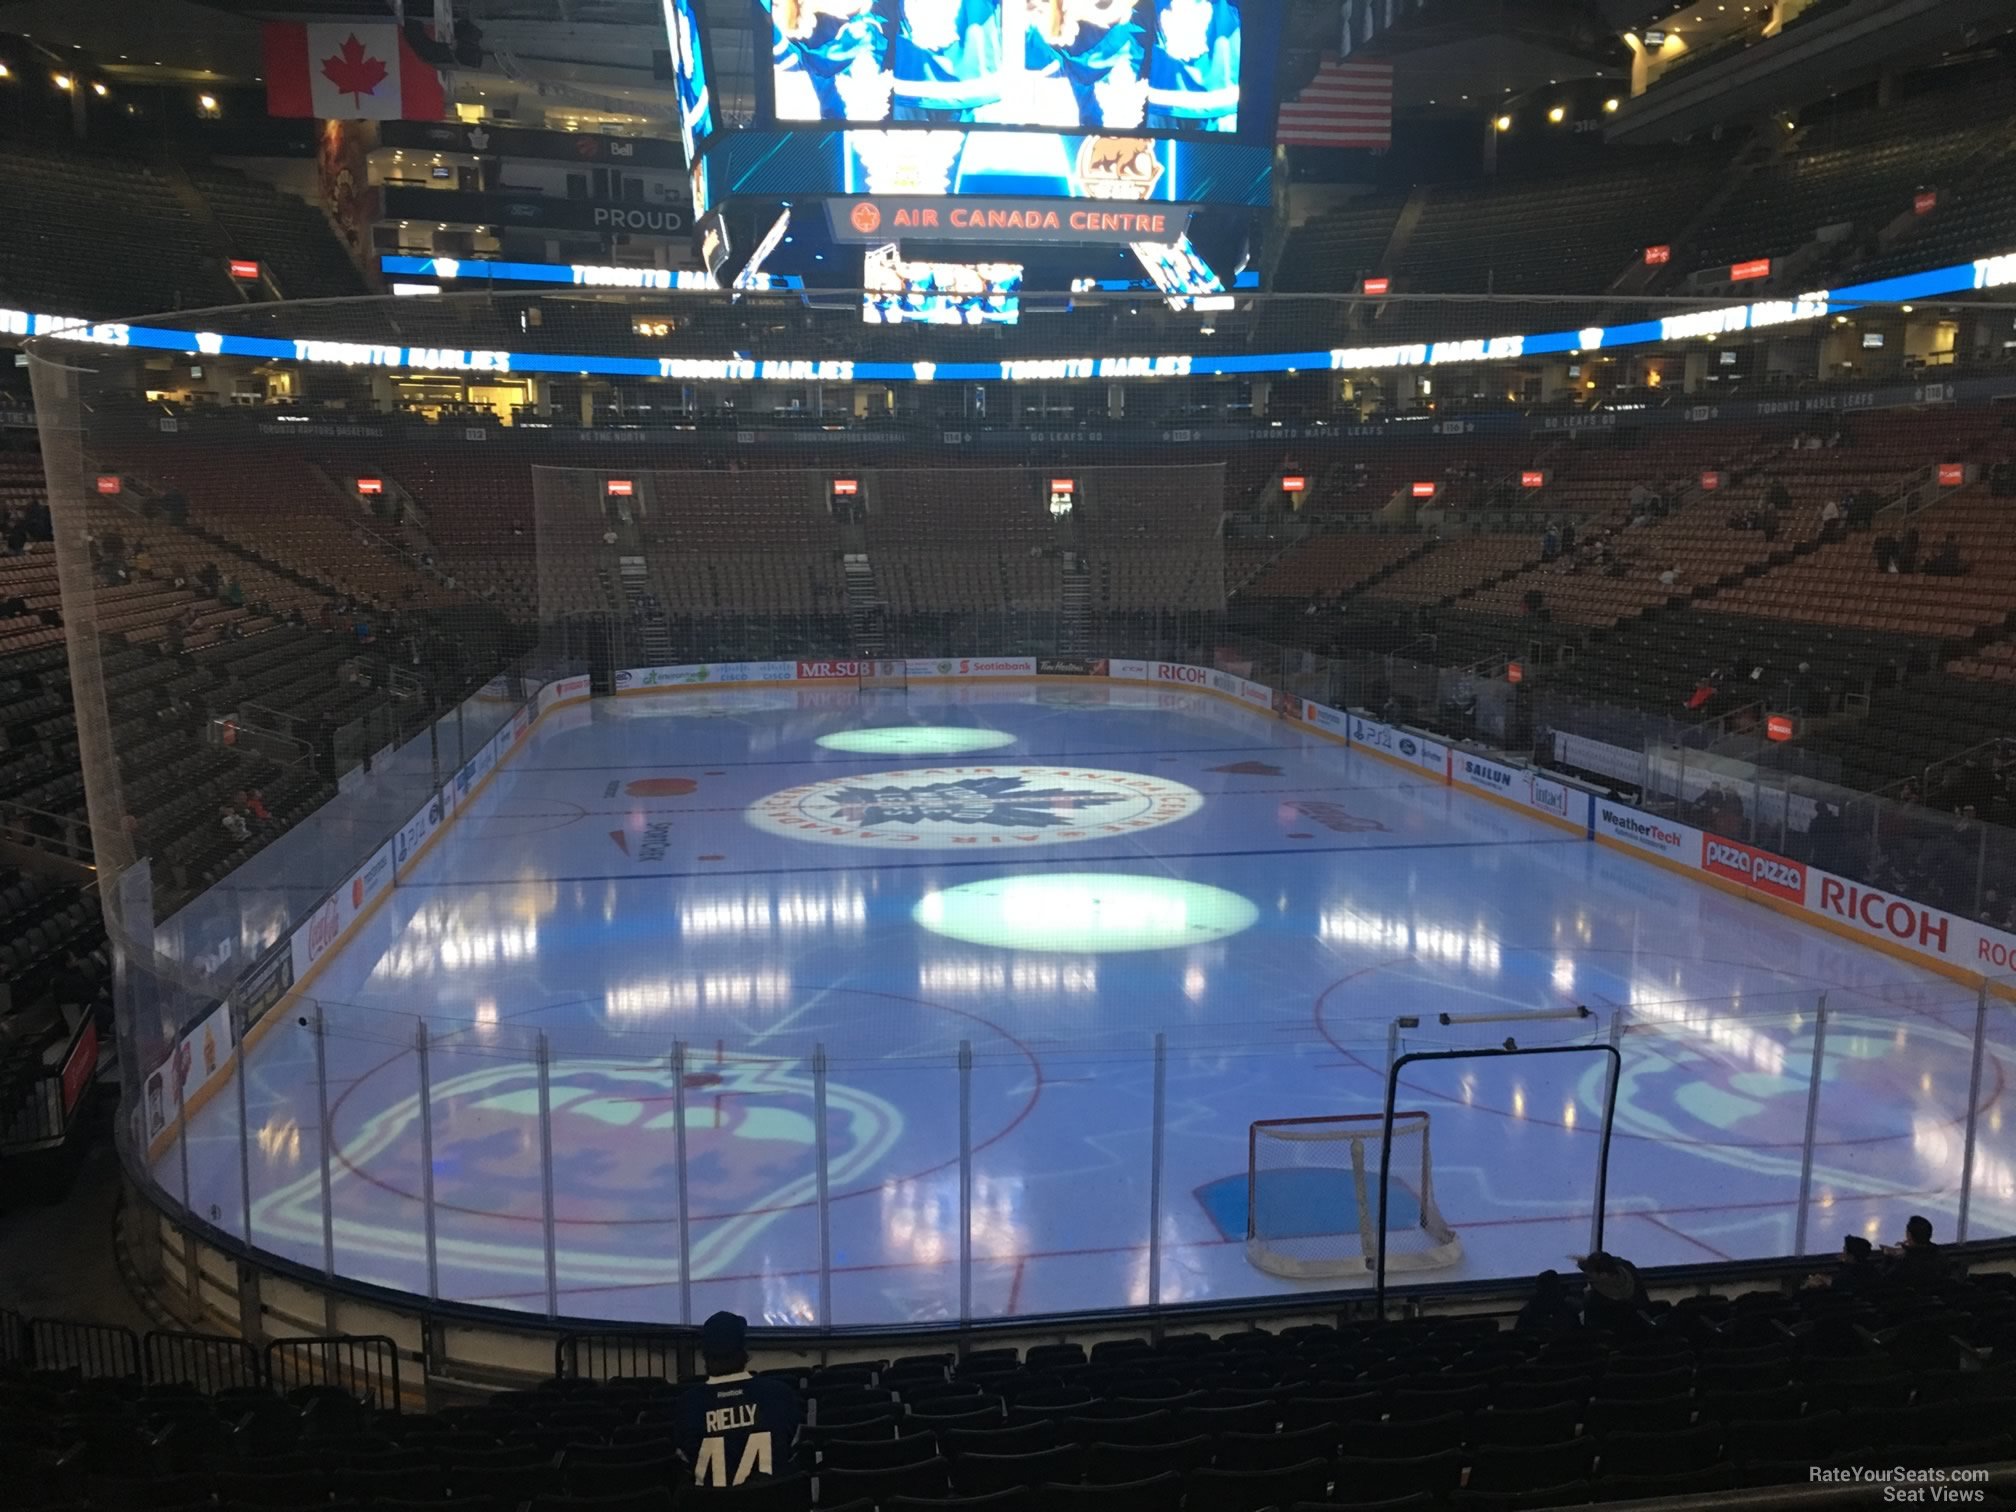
[{"x": 1049, "y": 874}]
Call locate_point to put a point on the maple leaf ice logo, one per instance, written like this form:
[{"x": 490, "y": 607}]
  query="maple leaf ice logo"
[
  {"x": 354, "y": 71},
  {"x": 924, "y": 371},
  {"x": 1001, "y": 801},
  {"x": 447, "y": 267},
  {"x": 210, "y": 343}
]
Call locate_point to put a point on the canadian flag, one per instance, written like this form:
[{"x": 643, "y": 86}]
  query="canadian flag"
[{"x": 348, "y": 71}]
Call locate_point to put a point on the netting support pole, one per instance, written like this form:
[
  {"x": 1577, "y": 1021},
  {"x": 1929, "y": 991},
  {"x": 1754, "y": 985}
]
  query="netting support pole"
[
  {"x": 1973, "y": 1114},
  {"x": 1506, "y": 1051},
  {"x": 822, "y": 1178},
  {"x": 965, "y": 1181},
  {"x": 1612, "y": 1075},
  {"x": 244, "y": 1134},
  {"x": 1812, "y": 1123},
  {"x": 542, "y": 1053},
  {"x": 183, "y": 1121},
  {"x": 1155, "y": 1136},
  {"x": 424, "y": 1066},
  {"x": 322, "y": 1142},
  {"x": 679, "y": 1154}
]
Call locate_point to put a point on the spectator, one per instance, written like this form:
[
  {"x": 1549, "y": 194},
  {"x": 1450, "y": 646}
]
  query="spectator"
[
  {"x": 234, "y": 594},
  {"x": 143, "y": 561},
  {"x": 1830, "y": 521},
  {"x": 1670, "y": 578},
  {"x": 209, "y": 579},
  {"x": 1567, "y": 536},
  {"x": 17, "y": 535},
  {"x": 1857, "y": 1270},
  {"x": 1777, "y": 497},
  {"x": 1907, "y": 550},
  {"x": 1550, "y": 542},
  {"x": 1884, "y": 550},
  {"x": 1615, "y": 1293},
  {"x": 254, "y": 805},
  {"x": 734, "y": 1428},
  {"x": 1945, "y": 562},
  {"x": 1549, "y": 1307},
  {"x": 1917, "y": 1261},
  {"x": 1767, "y": 522},
  {"x": 1704, "y": 692},
  {"x": 234, "y": 824}
]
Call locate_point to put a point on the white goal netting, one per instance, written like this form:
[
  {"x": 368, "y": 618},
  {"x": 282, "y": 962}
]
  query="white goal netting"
[
  {"x": 1312, "y": 1197},
  {"x": 885, "y": 676}
]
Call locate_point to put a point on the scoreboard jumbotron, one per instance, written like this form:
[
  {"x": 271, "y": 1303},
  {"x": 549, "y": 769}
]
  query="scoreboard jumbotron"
[{"x": 1070, "y": 141}]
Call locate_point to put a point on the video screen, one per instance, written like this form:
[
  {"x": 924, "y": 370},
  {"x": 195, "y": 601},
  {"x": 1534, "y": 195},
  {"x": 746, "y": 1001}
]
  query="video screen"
[
  {"x": 931, "y": 293},
  {"x": 689, "y": 70},
  {"x": 1155, "y": 65},
  {"x": 1177, "y": 270}
]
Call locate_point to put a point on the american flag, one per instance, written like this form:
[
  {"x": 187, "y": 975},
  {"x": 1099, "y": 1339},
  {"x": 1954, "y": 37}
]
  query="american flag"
[{"x": 1345, "y": 105}]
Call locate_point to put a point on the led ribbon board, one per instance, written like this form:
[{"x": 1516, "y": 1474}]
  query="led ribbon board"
[{"x": 1982, "y": 274}]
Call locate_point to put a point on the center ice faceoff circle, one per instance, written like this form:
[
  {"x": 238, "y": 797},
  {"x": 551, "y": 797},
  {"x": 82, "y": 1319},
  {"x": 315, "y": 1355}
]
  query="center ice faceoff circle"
[
  {"x": 956, "y": 807},
  {"x": 916, "y": 740}
]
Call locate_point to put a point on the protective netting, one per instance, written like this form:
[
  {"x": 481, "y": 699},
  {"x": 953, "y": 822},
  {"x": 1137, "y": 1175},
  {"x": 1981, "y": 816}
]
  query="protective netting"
[{"x": 1312, "y": 1197}]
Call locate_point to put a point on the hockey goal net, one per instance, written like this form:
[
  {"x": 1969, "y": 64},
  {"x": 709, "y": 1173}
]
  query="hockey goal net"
[
  {"x": 885, "y": 676},
  {"x": 1312, "y": 1197}
]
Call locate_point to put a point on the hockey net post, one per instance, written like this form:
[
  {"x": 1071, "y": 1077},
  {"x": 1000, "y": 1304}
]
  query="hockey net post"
[
  {"x": 885, "y": 676},
  {"x": 1312, "y": 1197}
]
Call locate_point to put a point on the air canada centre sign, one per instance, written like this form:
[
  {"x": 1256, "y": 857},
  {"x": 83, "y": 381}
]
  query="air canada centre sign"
[{"x": 887, "y": 218}]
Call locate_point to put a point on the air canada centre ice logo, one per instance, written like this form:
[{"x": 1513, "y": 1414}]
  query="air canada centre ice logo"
[{"x": 933, "y": 808}]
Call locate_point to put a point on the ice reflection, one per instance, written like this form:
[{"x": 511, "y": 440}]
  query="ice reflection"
[
  {"x": 708, "y": 989},
  {"x": 1473, "y": 948},
  {"x": 946, "y": 977},
  {"x": 793, "y": 911}
]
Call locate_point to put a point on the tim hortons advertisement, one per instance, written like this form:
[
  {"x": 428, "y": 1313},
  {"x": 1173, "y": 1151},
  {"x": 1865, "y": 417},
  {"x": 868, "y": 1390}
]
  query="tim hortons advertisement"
[
  {"x": 561, "y": 691},
  {"x": 1070, "y": 666},
  {"x": 1662, "y": 837},
  {"x": 1734, "y": 861}
]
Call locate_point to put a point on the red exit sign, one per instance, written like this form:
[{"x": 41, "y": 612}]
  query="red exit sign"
[
  {"x": 370, "y": 485},
  {"x": 1378, "y": 285},
  {"x": 1532, "y": 480},
  {"x": 1423, "y": 490},
  {"x": 620, "y": 488},
  {"x": 846, "y": 488},
  {"x": 242, "y": 268},
  {"x": 1658, "y": 257},
  {"x": 1758, "y": 267},
  {"x": 1294, "y": 483}
]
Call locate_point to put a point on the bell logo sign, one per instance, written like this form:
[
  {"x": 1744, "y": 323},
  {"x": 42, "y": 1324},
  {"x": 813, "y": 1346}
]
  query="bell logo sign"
[{"x": 1879, "y": 912}]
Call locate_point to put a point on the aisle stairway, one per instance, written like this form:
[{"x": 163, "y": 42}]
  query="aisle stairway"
[
  {"x": 1074, "y": 637},
  {"x": 646, "y": 612},
  {"x": 864, "y": 605}
]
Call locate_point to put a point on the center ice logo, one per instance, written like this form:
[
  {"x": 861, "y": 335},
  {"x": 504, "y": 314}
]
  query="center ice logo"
[
  {"x": 750, "y": 1163},
  {"x": 960, "y": 806}
]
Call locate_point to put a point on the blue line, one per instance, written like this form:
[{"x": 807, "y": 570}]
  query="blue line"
[{"x": 1049, "y": 860}]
